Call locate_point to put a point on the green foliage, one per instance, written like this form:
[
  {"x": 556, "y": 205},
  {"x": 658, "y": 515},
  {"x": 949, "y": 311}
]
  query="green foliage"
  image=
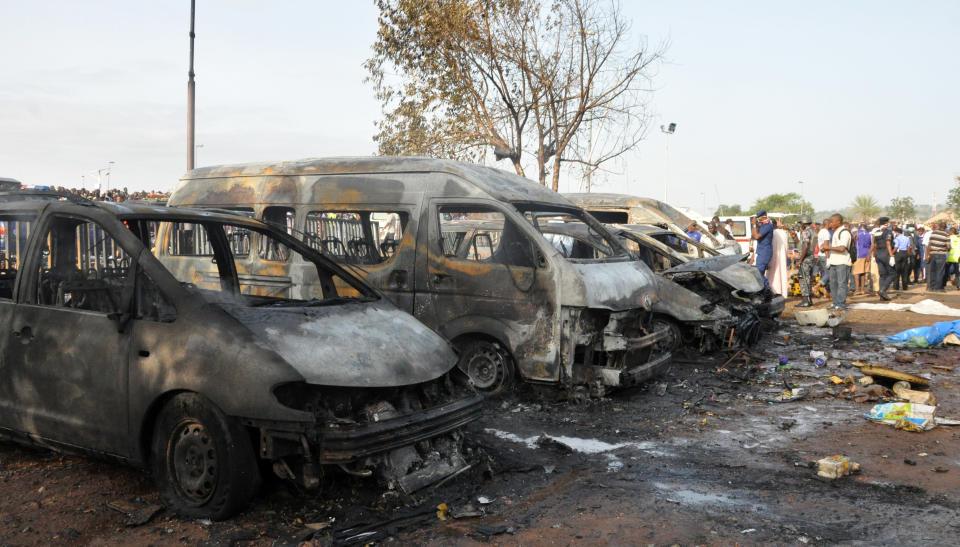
[
  {"x": 953, "y": 197},
  {"x": 782, "y": 203},
  {"x": 729, "y": 211},
  {"x": 865, "y": 207},
  {"x": 902, "y": 208}
]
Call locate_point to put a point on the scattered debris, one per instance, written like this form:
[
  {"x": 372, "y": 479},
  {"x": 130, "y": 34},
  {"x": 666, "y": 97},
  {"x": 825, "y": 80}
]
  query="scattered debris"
[
  {"x": 906, "y": 416},
  {"x": 904, "y": 358},
  {"x": 834, "y": 467},
  {"x": 893, "y": 375},
  {"x": 137, "y": 512},
  {"x": 488, "y": 530},
  {"x": 903, "y": 392}
]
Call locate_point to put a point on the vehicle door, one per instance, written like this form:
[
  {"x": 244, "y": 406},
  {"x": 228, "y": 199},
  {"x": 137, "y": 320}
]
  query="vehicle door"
[
  {"x": 377, "y": 243},
  {"x": 14, "y": 233},
  {"x": 482, "y": 274},
  {"x": 66, "y": 363}
]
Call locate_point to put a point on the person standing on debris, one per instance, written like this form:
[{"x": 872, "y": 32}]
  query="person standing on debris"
[
  {"x": 839, "y": 262},
  {"x": 883, "y": 250},
  {"x": 806, "y": 261},
  {"x": 777, "y": 273},
  {"x": 763, "y": 233},
  {"x": 861, "y": 268},
  {"x": 901, "y": 246},
  {"x": 823, "y": 240},
  {"x": 916, "y": 254},
  {"x": 937, "y": 251},
  {"x": 953, "y": 257}
]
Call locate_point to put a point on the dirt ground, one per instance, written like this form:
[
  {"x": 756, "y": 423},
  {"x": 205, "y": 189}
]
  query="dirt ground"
[{"x": 705, "y": 454}]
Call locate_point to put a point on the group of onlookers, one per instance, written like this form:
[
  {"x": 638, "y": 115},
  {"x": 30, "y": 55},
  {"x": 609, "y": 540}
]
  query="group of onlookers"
[{"x": 846, "y": 256}]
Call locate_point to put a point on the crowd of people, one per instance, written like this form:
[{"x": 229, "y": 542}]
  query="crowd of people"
[
  {"x": 116, "y": 194},
  {"x": 860, "y": 258}
]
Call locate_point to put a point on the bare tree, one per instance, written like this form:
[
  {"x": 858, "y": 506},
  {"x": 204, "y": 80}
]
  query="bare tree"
[{"x": 559, "y": 81}]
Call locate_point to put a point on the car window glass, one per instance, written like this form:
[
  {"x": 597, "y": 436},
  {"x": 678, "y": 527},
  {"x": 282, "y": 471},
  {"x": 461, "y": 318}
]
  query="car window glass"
[
  {"x": 355, "y": 237},
  {"x": 82, "y": 267},
  {"x": 13, "y": 243},
  {"x": 482, "y": 234}
]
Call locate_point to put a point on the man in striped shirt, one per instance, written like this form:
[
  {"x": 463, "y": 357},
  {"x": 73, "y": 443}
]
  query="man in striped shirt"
[{"x": 937, "y": 251}]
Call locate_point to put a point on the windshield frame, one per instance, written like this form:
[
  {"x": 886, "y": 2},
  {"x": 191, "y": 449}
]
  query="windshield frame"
[{"x": 534, "y": 208}]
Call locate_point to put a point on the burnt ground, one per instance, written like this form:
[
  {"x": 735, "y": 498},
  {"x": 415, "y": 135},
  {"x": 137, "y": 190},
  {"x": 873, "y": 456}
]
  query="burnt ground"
[{"x": 700, "y": 455}]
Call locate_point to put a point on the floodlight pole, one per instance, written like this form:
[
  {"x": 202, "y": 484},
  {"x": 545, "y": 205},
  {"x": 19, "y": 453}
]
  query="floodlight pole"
[
  {"x": 191, "y": 91},
  {"x": 667, "y": 130}
]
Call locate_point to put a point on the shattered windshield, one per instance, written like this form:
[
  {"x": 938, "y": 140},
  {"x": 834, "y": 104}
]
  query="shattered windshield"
[
  {"x": 577, "y": 235},
  {"x": 247, "y": 264}
]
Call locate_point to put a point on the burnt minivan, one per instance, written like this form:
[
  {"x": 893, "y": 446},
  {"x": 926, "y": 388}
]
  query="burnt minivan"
[
  {"x": 460, "y": 247},
  {"x": 136, "y": 332},
  {"x": 627, "y": 209}
]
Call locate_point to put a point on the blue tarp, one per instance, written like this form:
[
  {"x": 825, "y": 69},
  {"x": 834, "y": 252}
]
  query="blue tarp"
[{"x": 931, "y": 335}]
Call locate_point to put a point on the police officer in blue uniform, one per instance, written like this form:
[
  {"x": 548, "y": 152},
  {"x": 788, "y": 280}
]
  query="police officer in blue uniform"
[{"x": 763, "y": 233}]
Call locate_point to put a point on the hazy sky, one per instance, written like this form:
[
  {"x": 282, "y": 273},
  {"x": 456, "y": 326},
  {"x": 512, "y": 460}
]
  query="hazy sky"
[{"x": 849, "y": 97}]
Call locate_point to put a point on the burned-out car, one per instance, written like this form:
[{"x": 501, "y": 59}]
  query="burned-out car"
[
  {"x": 510, "y": 303},
  {"x": 706, "y": 303},
  {"x": 140, "y": 333},
  {"x": 627, "y": 209}
]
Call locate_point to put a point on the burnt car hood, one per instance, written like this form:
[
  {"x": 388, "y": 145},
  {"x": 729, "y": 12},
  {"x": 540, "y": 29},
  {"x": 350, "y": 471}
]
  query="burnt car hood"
[
  {"x": 614, "y": 286},
  {"x": 732, "y": 270},
  {"x": 357, "y": 344}
]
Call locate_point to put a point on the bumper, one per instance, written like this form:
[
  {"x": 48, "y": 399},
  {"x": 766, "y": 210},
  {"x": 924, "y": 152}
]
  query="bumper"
[
  {"x": 345, "y": 443},
  {"x": 773, "y": 308}
]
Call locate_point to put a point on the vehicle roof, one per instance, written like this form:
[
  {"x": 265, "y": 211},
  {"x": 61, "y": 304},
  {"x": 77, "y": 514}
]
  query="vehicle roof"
[
  {"x": 34, "y": 202},
  {"x": 497, "y": 183}
]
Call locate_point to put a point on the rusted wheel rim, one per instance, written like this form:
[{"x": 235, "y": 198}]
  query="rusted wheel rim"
[
  {"x": 487, "y": 369},
  {"x": 194, "y": 462}
]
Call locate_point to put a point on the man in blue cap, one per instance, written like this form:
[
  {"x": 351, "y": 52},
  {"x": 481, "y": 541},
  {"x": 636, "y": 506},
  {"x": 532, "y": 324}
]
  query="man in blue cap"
[{"x": 763, "y": 233}]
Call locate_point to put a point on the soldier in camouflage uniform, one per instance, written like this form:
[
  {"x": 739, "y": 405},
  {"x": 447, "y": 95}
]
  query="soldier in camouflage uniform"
[{"x": 807, "y": 260}]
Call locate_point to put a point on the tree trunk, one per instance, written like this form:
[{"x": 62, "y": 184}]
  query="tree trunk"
[
  {"x": 518, "y": 167},
  {"x": 556, "y": 173}
]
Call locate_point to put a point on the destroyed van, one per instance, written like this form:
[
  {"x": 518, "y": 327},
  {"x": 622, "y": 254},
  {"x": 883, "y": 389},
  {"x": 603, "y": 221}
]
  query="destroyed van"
[
  {"x": 697, "y": 315},
  {"x": 138, "y": 332},
  {"x": 627, "y": 209},
  {"x": 507, "y": 300}
]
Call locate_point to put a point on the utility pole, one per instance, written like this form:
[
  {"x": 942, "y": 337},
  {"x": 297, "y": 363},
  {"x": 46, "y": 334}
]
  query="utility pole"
[
  {"x": 667, "y": 130},
  {"x": 191, "y": 90},
  {"x": 800, "y": 182}
]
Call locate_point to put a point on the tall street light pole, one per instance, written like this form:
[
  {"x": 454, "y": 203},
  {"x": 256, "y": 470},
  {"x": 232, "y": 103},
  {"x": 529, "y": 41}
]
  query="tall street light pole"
[
  {"x": 191, "y": 90},
  {"x": 667, "y": 130},
  {"x": 800, "y": 182}
]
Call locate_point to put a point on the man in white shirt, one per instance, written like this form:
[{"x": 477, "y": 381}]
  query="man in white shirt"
[
  {"x": 838, "y": 262},
  {"x": 823, "y": 240}
]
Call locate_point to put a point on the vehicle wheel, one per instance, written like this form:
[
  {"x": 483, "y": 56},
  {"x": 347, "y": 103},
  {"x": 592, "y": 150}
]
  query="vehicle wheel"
[
  {"x": 489, "y": 366},
  {"x": 674, "y": 340},
  {"x": 203, "y": 462}
]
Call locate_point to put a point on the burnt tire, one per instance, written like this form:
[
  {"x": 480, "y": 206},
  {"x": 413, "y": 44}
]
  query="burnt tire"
[
  {"x": 488, "y": 365},
  {"x": 202, "y": 461},
  {"x": 674, "y": 339}
]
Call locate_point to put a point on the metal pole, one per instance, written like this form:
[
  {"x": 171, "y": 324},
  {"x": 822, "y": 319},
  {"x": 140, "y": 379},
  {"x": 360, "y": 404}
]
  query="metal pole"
[
  {"x": 666, "y": 162},
  {"x": 191, "y": 90},
  {"x": 800, "y": 182}
]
